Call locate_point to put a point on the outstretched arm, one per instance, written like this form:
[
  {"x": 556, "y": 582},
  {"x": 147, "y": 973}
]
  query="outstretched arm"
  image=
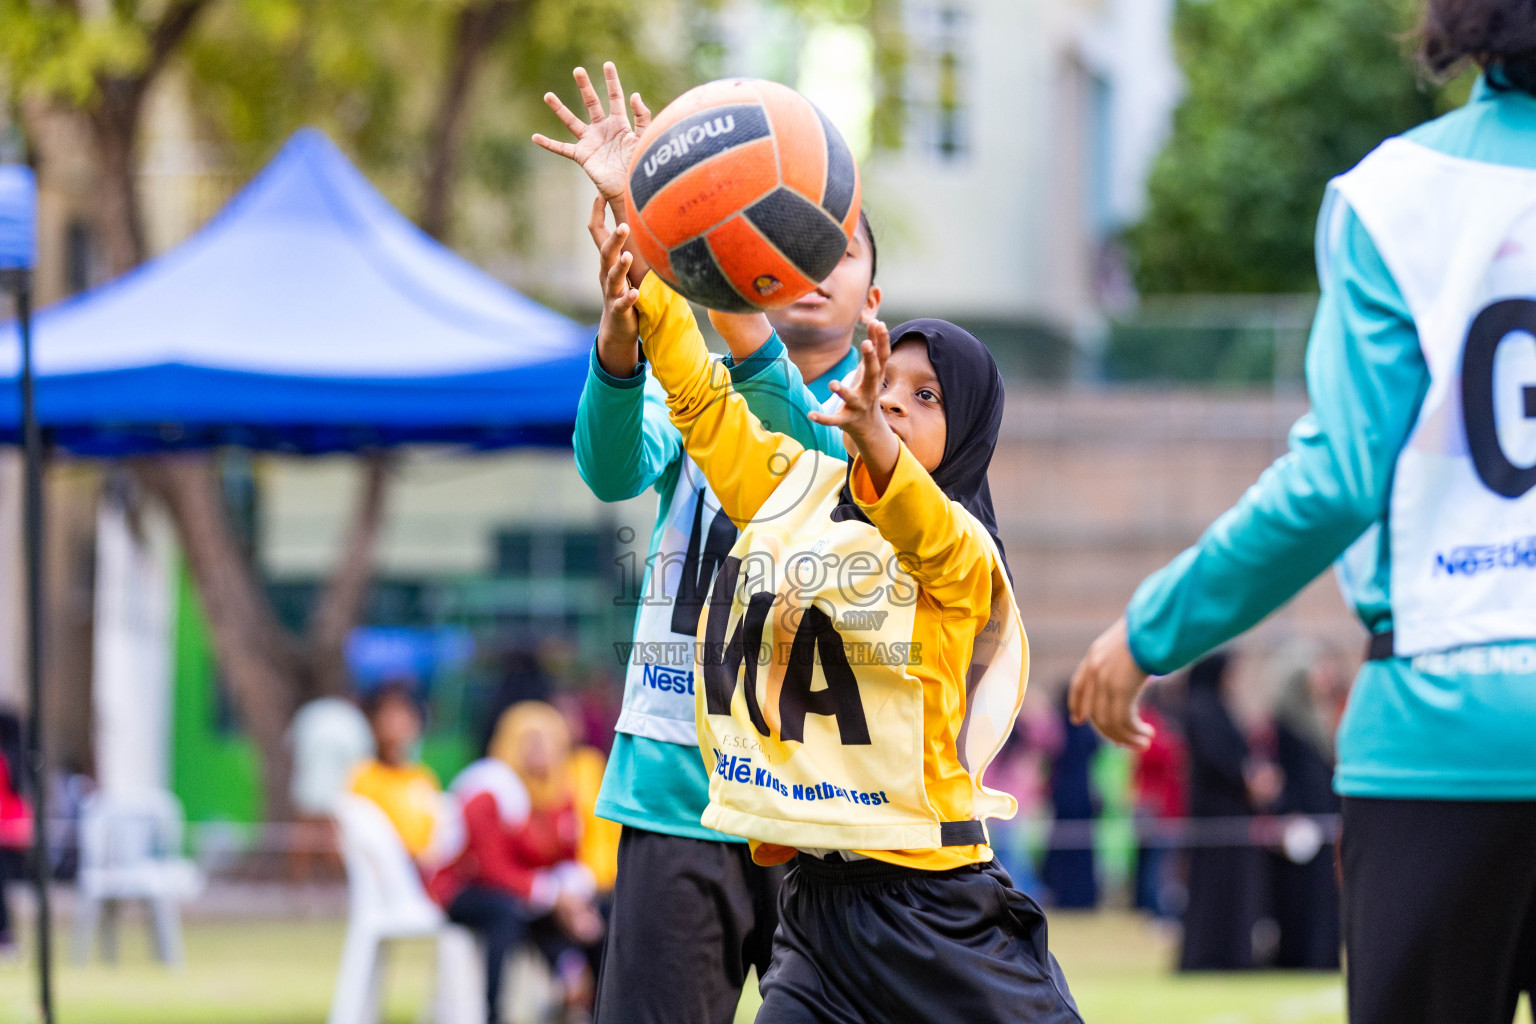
[
  {"x": 940, "y": 545},
  {"x": 771, "y": 383},
  {"x": 624, "y": 441},
  {"x": 1366, "y": 378},
  {"x": 742, "y": 461}
]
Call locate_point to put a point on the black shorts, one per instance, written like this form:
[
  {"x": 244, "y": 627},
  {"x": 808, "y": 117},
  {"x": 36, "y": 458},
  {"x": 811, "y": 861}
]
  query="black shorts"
[
  {"x": 1439, "y": 909},
  {"x": 690, "y": 918},
  {"x": 872, "y": 943}
]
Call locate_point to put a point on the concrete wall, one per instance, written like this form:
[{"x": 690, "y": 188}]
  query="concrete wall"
[{"x": 1094, "y": 490}]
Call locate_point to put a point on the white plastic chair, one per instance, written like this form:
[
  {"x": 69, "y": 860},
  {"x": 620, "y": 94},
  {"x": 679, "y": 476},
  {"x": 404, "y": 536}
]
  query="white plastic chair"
[
  {"x": 130, "y": 849},
  {"x": 386, "y": 900}
]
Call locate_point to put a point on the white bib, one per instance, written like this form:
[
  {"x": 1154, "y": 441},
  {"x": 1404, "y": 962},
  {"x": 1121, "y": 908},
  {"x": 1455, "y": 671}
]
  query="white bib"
[
  {"x": 659, "y": 678},
  {"x": 1459, "y": 238}
]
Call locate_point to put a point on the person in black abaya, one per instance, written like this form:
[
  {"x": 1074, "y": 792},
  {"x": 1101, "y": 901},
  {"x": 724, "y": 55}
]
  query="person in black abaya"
[
  {"x": 1224, "y": 878},
  {"x": 522, "y": 679},
  {"x": 1306, "y": 890},
  {"x": 1069, "y": 871}
]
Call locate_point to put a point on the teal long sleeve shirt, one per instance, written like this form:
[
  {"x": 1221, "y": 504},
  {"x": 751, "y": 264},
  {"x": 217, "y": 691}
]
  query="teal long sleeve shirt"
[
  {"x": 1429, "y": 727},
  {"x": 625, "y": 444}
]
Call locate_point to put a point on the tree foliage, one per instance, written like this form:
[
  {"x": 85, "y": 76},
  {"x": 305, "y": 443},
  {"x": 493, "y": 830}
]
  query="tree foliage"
[
  {"x": 1281, "y": 96},
  {"x": 408, "y": 86},
  {"x": 417, "y": 90}
]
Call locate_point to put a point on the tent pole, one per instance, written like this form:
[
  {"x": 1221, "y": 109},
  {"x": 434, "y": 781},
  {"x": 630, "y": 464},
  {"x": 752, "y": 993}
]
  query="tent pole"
[{"x": 32, "y": 529}]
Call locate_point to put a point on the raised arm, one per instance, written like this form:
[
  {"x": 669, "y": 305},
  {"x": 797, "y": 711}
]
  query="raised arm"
[
  {"x": 776, "y": 393},
  {"x": 947, "y": 552},
  {"x": 624, "y": 441},
  {"x": 944, "y": 549},
  {"x": 742, "y": 461},
  {"x": 1366, "y": 378}
]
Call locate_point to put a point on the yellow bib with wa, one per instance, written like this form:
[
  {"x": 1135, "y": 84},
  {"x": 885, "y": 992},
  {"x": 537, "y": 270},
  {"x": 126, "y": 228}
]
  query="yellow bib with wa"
[{"x": 809, "y": 721}]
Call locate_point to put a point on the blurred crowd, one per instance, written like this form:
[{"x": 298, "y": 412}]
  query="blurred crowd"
[
  {"x": 1232, "y": 809},
  {"x": 511, "y": 848}
]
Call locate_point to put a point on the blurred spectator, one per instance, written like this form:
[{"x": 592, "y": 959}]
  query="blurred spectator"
[
  {"x": 407, "y": 791},
  {"x": 599, "y": 846},
  {"x": 1017, "y": 770},
  {"x": 329, "y": 737},
  {"x": 12, "y": 749},
  {"x": 513, "y": 874},
  {"x": 1069, "y": 870},
  {"x": 15, "y": 831},
  {"x": 1224, "y": 876},
  {"x": 69, "y": 787},
  {"x": 523, "y": 678},
  {"x": 593, "y": 708},
  {"x": 1158, "y": 783},
  {"x": 1306, "y": 892}
]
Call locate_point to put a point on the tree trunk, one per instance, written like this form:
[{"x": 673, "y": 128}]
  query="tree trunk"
[
  {"x": 476, "y": 30},
  {"x": 260, "y": 660},
  {"x": 115, "y": 126},
  {"x": 341, "y": 606},
  {"x": 268, "y": 672},
  {"x": 115, "y": 123}
]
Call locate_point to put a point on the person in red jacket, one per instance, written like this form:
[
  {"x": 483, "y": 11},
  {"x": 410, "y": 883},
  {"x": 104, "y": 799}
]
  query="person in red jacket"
[
  {"x": 15, "y": 837},
  {"x": 512, "y": 873},
  {"x": 1158, "y": 782}
]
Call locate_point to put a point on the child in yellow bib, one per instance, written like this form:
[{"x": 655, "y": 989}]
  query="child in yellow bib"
[{"x": 862, "y": 662}]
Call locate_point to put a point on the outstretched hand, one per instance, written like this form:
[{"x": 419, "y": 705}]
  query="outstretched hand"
[
  {"x": 618, "y": 334},
  {"x": 603, "y": 148},
  {"x": 861, "y": 417},
  {"x": 1105, "y": 688}
]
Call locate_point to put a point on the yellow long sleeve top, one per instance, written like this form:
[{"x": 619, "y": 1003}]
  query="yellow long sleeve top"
[
  {"x": 408, "y": 794},
  {"x": 947, "y": 553}
]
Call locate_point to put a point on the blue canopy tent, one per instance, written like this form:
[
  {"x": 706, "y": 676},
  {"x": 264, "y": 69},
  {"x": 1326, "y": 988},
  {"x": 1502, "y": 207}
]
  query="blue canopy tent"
[{"x": 309, "y": 316}]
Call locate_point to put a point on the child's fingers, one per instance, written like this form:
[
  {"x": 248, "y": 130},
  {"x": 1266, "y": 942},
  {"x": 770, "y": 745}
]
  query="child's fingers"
[
  {"x": 880, "y": 336},
  {"x": 563, "y": 112},
  {"x": 869, "y": 384},
  {"x": 564, "y": 149},
  {"x": 615, "y": 279},
  {"x": 614, "y": 244},
  {"x": 615, "y": 90},
  {"x": 621, "y": 272},
  {"x": 1077, "y": 693},
  {"x": 642, "y": 113},
  {"x": 843, "y": 391},
  {"x": 588, "y": 95},
  {"x": 624, "y": 303},
  {"x": 597, "y": 223}
]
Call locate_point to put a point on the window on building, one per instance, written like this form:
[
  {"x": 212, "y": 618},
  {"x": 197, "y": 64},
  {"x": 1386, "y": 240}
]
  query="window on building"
[
  {"x": 938, "y": 79},
  {"x": 569, "y": 553}
]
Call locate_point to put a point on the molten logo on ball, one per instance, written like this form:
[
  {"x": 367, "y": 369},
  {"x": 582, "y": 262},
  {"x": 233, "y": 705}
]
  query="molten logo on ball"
[
  {"x": 679, "y": 144},
  {"x": 742, "y": 195}
]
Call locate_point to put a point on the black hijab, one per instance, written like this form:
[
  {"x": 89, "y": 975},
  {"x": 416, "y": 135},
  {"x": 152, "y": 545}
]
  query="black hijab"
[{"x": 973, "y": 412}]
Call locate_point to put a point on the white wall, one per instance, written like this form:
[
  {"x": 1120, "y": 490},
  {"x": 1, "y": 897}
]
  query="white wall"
[{"x": 1009, "y": 231}]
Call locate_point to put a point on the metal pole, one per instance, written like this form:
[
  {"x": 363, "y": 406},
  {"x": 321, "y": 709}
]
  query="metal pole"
[{"x": 32, "y": 532}]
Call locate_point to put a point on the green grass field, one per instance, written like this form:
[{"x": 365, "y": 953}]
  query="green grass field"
[{"x": 266, "y": 972}]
